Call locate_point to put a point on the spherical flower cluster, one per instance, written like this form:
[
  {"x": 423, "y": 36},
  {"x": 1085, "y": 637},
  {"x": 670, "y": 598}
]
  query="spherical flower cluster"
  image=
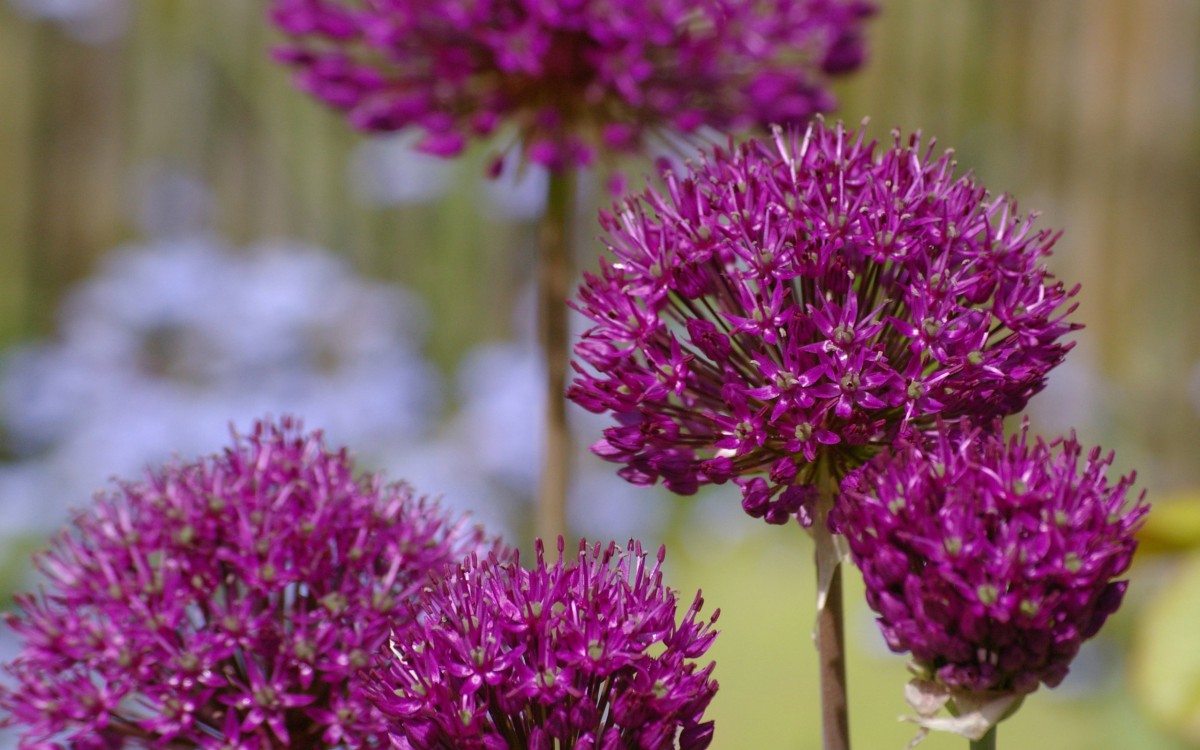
[
  {"x": 783, "y": 307},
  {"x": 571, "y": 76},
  {"x": 990, "y": 561},
  {"x": 226, "y": 602},
  {"x": 584, "y": 655}
]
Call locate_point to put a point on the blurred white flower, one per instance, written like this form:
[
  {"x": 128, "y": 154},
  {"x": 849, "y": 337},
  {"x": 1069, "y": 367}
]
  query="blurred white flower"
[
  {"x": 498, "y": 433},
  {"x": 500, "y": 389},
  {"x": 518, "y": 193},
  {"x": 10, "y": 647},
  {"x": 90, "y": 21},
  {"x": 171, "y": 202},
  {"x": 389, "y": 170},
  {"x": 1075, "y": 397},
  {"x": 173, "y": 342}
]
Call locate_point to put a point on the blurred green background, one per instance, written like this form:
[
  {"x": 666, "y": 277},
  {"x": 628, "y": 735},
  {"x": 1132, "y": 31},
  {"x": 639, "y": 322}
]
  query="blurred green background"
[{"x": 1087, "y": 110}]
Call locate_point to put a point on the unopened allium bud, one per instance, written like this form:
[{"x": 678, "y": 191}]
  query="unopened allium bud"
[
  {"x": 990, "y": 561},
  {"x": 571, "y": 77},
  {"x": 807, "y": 302},
  {"x": 226, "y": 602},
  {"x": 584, "y": 654}
]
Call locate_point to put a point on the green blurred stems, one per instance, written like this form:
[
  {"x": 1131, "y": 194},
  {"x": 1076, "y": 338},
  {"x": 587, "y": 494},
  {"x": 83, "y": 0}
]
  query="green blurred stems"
[{"x": 554, "y": 278}]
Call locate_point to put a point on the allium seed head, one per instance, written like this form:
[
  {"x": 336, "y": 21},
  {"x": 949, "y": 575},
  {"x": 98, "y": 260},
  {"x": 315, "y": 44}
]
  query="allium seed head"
[
  {"x": 810, "y": 300},
  {"x": 584, "y": 653},
  {"x": 226, "y": 603},
  {"x": 572, "y": 77},
  {"x": 991, "y": 561}
]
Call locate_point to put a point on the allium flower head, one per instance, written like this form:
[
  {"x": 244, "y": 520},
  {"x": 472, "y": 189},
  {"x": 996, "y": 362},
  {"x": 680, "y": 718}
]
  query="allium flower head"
[
  {"x": 584, "y": 654},
  {"x": 570, "y": 75},
  {"x": 990, "y": 561},
  {"x": 787, "y": 304},
  {"x": 226, "y": 603}
]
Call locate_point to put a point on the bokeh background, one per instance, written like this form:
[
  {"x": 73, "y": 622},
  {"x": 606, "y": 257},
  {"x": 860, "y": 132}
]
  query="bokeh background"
[{"x": 188, "y": 242}]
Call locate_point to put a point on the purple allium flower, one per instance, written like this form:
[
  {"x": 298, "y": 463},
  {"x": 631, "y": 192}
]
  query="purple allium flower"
[
  {"x": 783, "y": 306},
  {"x": 990, "y": 561},
  {"x": 584, "y": 655},
  {"x": 571, "y": 76},
  {"x": 226, "y": 602}
]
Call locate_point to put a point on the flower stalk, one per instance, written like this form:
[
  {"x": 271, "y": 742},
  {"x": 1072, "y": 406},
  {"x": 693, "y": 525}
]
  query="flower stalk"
[
  {"x": 830, "y": 631},
  {"x": 553, "y": 280}
]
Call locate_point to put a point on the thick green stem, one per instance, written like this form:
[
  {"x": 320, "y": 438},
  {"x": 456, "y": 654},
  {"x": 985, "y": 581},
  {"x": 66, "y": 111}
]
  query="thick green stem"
[
  {"x": 830, "y": 628},
  {"x": 986, "y": 742},
  {"x": 554, "y": 278}
]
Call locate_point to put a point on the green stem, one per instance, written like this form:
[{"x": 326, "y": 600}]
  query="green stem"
[
  {"x": 554, "y": 278},
  {"x": 987, "y": 742},
  {"x": 830, "y": 627}
]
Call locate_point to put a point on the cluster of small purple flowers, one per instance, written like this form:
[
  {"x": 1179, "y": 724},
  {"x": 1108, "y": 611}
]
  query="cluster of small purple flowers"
[
  {"x": 573, "y": 78},
  {"x": 991, "y": 561},
  {"x": 226, "y": 602},
  {"x": 810, "y": 301},
  {"x": 813, "y": 314},
  {"x": 584, "y": 654},
  {"x": 240, "y": 601}
]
